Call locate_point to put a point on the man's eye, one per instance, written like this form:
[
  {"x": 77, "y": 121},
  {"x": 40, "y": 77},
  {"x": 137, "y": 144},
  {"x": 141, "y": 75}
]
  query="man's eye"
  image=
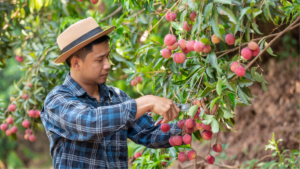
[{"x": 99, "y": 60}]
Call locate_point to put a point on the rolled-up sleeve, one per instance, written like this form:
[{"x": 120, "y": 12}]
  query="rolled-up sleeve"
[
  {"x": 144, "y": 132},
  {"x": 70, "y": 118}
]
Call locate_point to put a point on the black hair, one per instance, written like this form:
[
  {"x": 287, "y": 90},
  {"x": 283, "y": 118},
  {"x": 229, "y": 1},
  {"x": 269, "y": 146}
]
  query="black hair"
[{"x": 81, "y": 53}]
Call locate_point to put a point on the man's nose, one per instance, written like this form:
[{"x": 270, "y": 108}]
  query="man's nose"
[{"x": 106, "y": 65}]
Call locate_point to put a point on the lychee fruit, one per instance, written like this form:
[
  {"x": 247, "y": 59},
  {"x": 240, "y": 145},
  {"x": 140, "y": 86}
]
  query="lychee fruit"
[
  {"x": 26, "y": 136},
  {"x": 37, "y": 114},
  {"x": 12, "y": 107},
  {"x": 32, "y": 137},
  {"x": 185, "y": 51},
  {"x": 94, "y": 1},
  {"x": 139, "y": 79},
  {"x": 187, "y": 26},
  {"x": 198, "y": 126},
  {"x": 133, "y": 82},
  {"x": 174, "y": 46},
  {"x": 230, "y": 40},
  {"x": 181, "y": 124},
  {"x": 26, "y": 123},
  {"x": 9, "y": 120},
  {"x": 199, "y": 46},
  {"x": 240, "y": 71},
  {"x": 137, "y": 155},
  {"x": 189, "y": 130},
  {"x": 189, "y": 123},
  {"x": 14, "y": 129},
  {"x": 210, "y": 159},
  {"x": 217, "y": 148},
  {"x": 206, "y": 135},
  {"x": 165, "y": 127},
  {"x": 190, "y": 45},
  {"x": 177, "y": 140},
  {"x": 206, "y": 127},
  {"x": 197, "y": 102},
  {"x": 215, "y": 39},
  {"x": 207, "y": 49},
  {"x": 4, "y": 127},
  {"x": 182, "y": 43},
  {"x": 234, "y": 65},
  {"x": 171, "y": 141},
  {"x": 255, "y": 52},
  {"x": 19, "y": 58},
  {"x": 169, "y": 39},
  {"x": 192, "y": 154},
  {"x": 8, "y": 132},
  {"x": 246, "y": 53},
  {"x": 179, "y": 57},
  {"x": 253, "y": 45},
  {"x": 187, "y": 139},
  {"x": 182, "y": 157},
  {"x": 25, "y": 96},
  {"x": 193, "y": 16},
  {"x": 171, "y": 16},
  {"x": 28, "y": 131},
  {"x": 166, "y": 53}
]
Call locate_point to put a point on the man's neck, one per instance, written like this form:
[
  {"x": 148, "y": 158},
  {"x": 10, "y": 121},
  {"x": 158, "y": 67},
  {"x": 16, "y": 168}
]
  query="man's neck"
[{"x": 91, "y": 89}]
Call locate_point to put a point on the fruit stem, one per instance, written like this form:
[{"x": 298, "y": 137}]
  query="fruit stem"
[
  {"x": 209, "y": 147},
  {"x": 139, "y": 90}
]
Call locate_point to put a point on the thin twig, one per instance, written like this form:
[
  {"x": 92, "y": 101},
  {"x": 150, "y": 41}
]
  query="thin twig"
[{"x": 112, "y": 14}]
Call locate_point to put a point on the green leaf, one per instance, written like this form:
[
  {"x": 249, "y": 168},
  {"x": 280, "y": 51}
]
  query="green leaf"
[
  {"x": 214, "y": 61},
  {"x": 229, "y": 13},
  {"x": 232, "y": 99},
  {"x": 242, "y": 95},
  {"x": 205, "y": 41},
  {"x": 255, "y": 27},
  {"x": 223, "y": 1},
  {"x": 209, "y": 71},
  {"x": 212, "y": 103},
  {"x": 193, "y": 110},
  {"x": 174, "y": 69},
  {"x": 211, "y": 85},
  {"x": 245, "y": 82},
  {"x": 269, "y": 50},
  {"x": 205, "y": 92},
  {"x": 228, "y": 85},
  {"x": 219, "y": 86},
  {"x": 264, "y": 87},
  {"x": 208, "y": 11},
  {"x": 226, "y": 113},
  {"x": 215, "y": 126},
  {"x": 243, "y": 12},
  {"x": 198, "y": 135},
  {"x": 215, "y": 25},
  {"x": 222, "y": 127}
]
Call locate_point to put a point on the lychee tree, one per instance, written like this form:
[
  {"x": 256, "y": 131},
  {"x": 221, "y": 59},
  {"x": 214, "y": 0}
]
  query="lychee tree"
[{"x": 190, "y": 50}]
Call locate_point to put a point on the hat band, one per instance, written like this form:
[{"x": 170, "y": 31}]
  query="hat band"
[{"x": 82, "y": 38}]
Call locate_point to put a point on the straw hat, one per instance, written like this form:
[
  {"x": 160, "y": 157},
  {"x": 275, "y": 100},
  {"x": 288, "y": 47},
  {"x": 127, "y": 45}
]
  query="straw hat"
[{"x": 79, "y": 35}]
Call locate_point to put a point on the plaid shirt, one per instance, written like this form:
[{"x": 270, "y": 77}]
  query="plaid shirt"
[{"x": 84, "y": 133}]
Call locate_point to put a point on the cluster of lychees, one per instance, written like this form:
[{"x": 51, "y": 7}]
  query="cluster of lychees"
[
  {"x": 137, "y": 80},
  {"x": 92, "y": 1},
  {"x": 26, "y": 123}
]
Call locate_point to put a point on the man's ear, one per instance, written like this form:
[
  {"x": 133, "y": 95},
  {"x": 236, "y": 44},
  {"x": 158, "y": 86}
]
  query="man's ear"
[{"x": 75, "y": 62}]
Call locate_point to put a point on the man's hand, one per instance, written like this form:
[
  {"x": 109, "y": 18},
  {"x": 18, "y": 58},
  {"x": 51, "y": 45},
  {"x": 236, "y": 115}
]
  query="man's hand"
[{"x": 166, "y": 108}]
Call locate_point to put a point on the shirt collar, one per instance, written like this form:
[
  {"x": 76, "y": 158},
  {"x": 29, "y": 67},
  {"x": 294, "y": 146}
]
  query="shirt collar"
[{"x": 77, "y": 90}]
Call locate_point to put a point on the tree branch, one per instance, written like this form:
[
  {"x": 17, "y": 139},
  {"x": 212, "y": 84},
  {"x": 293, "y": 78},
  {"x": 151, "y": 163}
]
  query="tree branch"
[{"x": 112, "y": 14}]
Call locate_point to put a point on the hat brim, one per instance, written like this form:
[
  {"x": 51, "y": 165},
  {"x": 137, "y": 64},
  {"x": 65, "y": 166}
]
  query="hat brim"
[{"x": 63, "y": 57}]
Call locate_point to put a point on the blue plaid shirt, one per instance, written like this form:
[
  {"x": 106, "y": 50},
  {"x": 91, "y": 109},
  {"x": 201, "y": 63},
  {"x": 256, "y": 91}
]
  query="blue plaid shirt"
[{"x": 84, "y": 133}]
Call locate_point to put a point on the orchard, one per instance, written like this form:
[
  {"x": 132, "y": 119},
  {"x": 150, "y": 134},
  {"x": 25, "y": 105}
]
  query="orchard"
[{"x": 201, "y": 52}]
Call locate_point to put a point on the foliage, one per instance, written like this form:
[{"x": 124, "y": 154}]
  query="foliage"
[{"x": 31, "y": 28}]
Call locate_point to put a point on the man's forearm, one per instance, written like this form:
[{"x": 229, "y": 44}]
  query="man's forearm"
[{"x": 144, "y": 104}]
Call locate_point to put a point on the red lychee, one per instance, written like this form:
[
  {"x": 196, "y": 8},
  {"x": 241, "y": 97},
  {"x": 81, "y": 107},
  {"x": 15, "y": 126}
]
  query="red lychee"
[
  {"x": 255, "y": 52},
  {"x": 171, "y": 16},
  {"x": 189, "y": 123},
  {"x": 217, "y": 148},
  {"x": 189, "y": 130},
  {"x": 207, "y": 49},
  {"x": 19, "y": 58},
  {"x": 185, "y": 51},
  {"x": 197, "y": 102},
  {"x": 179, "y": 57},
  {"x": 253, "y": 45},
  {"x": 12, "y": 107},
  {"x": 166, "y": 53},
  {"x": 199, "y": 46},
  {"x": 133, "y": 82},
  {"x": 187, "y": 139},
  {"x": 206, "y": 135},
  {"x": 181, "y": 124},
  {"x": 26, "y": 123},
  {"x": 165, "y": 127},
  {"x": 193, "y": 16},
  {"x": 190, "y": 45},
  {"x": 8, "y": 132},
  {"x": 139, "y": 79},
  {"x": 215, "y": 39},
  {"x": 174, "y": 46},
  {"x": 182, "y": 157},
  {"x": 234, "y": 65},
  {"x": 37, "y": 114},
  {"x": 137, "y": 155},
  {"x": 29, "y": 84},
  {"x": 230, "y": 40},
  {"x": 169, "y": 39},
  {"x": 206, "y": 127},
  {"x": 25, "y": 96},
  {"x": 187, "y": 26},
  {"x": 177, "y": 140},
  {"x": 94, "y": 1},
  {"x": 14, "y": 129},
  {"x": 171, "y": 141},
  {"x": 240, "y": 71},
  {"x": 210, "y": 159},
  {"x": 246, "y": 53},
  {"x": 198, "y": 126},
  {"x": 182, "y": 43},
  {"x": 26, "y": 136},
  {"x": 28, "y": 131},
  {"x": 9, "y": 120},
  {"x": 4, "y": 127},
  {"x": 192, "y": 154},
  {"x": 32, "y": 137}
]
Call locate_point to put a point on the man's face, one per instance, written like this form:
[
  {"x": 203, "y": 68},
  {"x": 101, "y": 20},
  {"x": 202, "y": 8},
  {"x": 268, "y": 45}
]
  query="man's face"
[{"x": 96, "y": 65}]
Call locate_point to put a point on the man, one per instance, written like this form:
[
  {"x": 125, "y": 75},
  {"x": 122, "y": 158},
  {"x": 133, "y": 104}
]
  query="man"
[{"x": 88, "y": 122}]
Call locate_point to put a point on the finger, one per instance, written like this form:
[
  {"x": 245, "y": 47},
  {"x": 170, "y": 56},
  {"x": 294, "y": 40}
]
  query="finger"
[{"x": 164, "y": 121}]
